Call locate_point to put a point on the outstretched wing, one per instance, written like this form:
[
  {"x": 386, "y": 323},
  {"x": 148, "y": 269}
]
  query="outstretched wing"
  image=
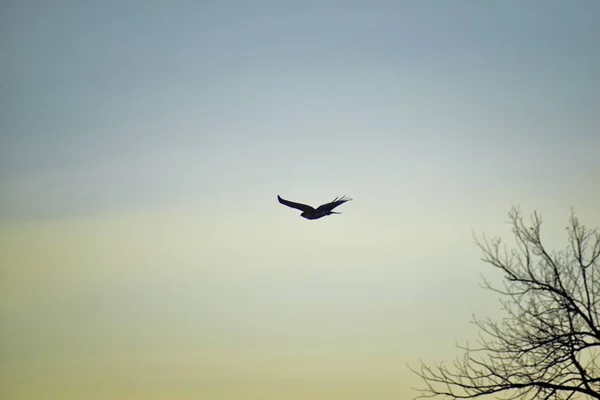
[
  {"x": 298, "y": 206},
  {"x": 336, "y": 202}
]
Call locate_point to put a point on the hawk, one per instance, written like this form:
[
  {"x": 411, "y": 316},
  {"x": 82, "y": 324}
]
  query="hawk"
[{"x": 309, "y": 212}]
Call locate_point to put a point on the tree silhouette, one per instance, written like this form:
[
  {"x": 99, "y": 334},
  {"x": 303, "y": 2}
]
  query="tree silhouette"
[{"x": 547, "y": 345}]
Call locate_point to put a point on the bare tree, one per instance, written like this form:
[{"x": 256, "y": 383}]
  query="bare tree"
[{"x": 547, "y": 345}]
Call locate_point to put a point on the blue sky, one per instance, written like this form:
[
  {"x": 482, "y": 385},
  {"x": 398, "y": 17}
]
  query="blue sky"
[{"x": 161, "y": 133}]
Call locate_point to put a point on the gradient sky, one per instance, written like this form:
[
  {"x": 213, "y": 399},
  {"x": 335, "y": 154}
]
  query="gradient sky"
[{"x": 143, "y": 253}]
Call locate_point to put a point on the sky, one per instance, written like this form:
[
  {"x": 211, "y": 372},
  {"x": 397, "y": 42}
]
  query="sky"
[{"x": 143, "y": 144}]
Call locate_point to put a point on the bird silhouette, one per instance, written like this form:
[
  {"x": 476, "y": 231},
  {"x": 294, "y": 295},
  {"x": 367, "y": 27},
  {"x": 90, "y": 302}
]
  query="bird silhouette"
[{"x": 309, "y": 212}]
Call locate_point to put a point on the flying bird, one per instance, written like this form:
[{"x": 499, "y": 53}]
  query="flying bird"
[{"x": 309, "y": 212}]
